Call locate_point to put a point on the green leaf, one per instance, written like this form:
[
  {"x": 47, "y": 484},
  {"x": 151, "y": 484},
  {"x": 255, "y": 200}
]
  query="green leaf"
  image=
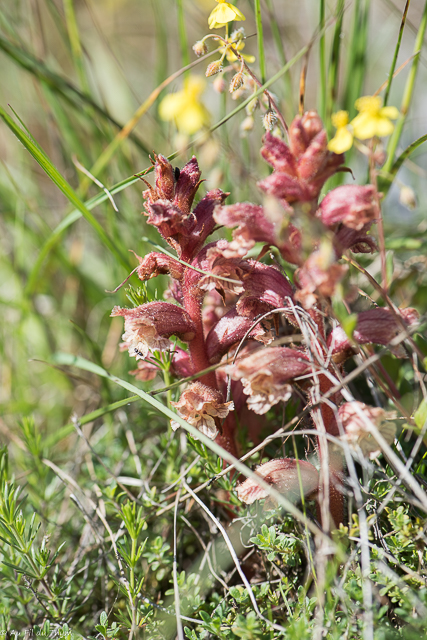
[{"x": 420, "y": 416}]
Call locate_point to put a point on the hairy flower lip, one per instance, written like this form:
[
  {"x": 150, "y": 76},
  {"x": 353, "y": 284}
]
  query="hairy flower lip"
[
  {"x": 149, "y": 327},
  {"x": 267, "y": 375},
  {"x": 295, "y": 477},
  {"x": 202, "y": 407}
]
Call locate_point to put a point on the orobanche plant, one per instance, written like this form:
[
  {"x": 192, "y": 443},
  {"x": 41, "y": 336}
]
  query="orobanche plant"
[{"x": 238, "y": 312}]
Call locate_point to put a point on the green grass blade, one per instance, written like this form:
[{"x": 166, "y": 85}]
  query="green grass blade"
[
  {"x": 44, "y": 162},
  {"x": 60, "y": 85},
  {"x": 396, "y": 52},
  {"x": 260, "y": 38},
  {"x": 385, "y": 179}
]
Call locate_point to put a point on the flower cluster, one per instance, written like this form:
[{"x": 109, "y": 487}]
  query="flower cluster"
[{"x": 224, "y": 303}]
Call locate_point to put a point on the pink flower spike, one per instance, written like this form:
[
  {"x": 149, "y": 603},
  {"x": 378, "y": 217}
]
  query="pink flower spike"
[
  {"x": 353, "y": 205},
  {"x": 202, "y": 407},
  {"x": 288, "y": 476},
  {"x": 148, "y": 327},
  {"x": 267, "y": 376},
  {"x": 265, "y": 289},
  {"x": 358, "y": 434},
  {"x": 229, "y": 330}
]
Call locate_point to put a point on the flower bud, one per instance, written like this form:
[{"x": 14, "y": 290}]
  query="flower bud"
[
  {"x": 247, "y": 124},
  {"x": 269, "y": 119},
  {"x": 200, "y": 48},
  {"x": 236, "y": 82},
  {"x": 214, "y": 68}
]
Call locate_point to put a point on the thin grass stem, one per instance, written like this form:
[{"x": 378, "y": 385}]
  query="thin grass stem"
[{"x": 396, "y": 52}]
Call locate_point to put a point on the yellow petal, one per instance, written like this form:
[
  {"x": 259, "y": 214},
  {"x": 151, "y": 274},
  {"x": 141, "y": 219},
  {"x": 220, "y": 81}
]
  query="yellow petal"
[
  {"x": 389, "y": 112},
  {"x": 222, "y": 14},
  {"x": 364, "y": 126},
  {"x": 384, "y": 127},
  {"x": 342, "y": 141}
]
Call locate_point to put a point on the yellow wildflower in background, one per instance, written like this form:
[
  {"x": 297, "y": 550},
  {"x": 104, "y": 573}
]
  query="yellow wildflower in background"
[
  {"x": 222, "y": 14},
  {"x": 185, "y": 108},
  {"x": 373, "y": 119},
  {"x": 343, "y": 138}
]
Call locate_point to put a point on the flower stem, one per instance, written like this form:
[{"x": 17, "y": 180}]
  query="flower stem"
[{"x": 261, "y": 53}]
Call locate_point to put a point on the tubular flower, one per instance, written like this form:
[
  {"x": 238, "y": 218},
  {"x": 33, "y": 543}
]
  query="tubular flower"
[
  {"x": 229, "y": 330},
  {"x": 373, "y": 120},
  {"x": 343, "y": 138},
  {"x": 296, "y": 478},
  {"x": 222, "y": 14},
  {"x": 265, "y": 289},
  {"x": 184, "y": 107},
  {"x": 148, "y": 327},
  {"x": 375, "y": 326},
  {"x": 358, "y": 433},
  {"x": 202, "y": 407},
  {"x": 353, "y": 205},
  {"x": 267, "y": 376}
]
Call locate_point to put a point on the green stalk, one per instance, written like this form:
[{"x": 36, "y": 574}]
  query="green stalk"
[
  {"x": 76, "y": 47},
  {"x": 335, "y": 61},
  {"x": 407, "y": 94},
  {"x": 182, "y": 34},
  {"x": 396, "y": 52},
  {"x": 357, "y": 56},
  {"x": 322, "y": 62},
  {"x": 261, "y": 53},
  {"x": 132, "y": 564}
]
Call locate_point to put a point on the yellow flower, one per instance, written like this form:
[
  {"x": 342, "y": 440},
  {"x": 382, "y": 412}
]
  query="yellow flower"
[
  {"x": 238, "y": 46},
  {"x": 343, "y": 138},
  {"x": 222, "y": 14},
  {"x": 185, "y": 108},
  {"x": 373, "y": 120}
]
